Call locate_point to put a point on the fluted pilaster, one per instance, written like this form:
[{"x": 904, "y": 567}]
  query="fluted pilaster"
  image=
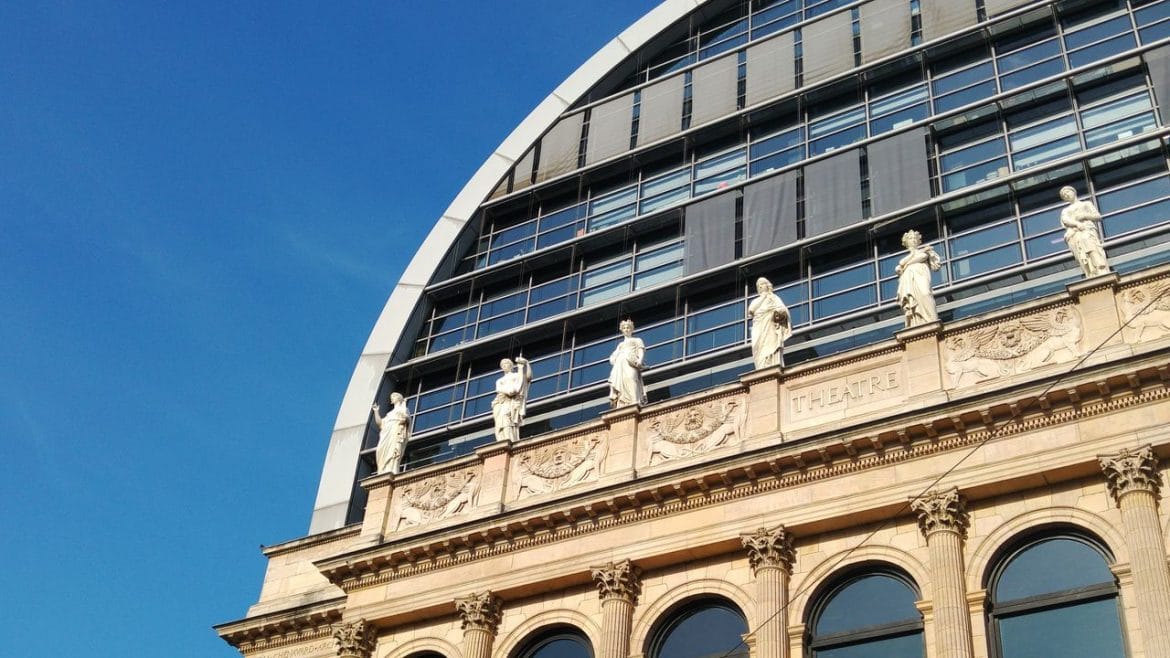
[
  {"x": 618, "y": 585},
  {"x": 1135, "y": 483},
  {"x": 771, "y": 555},
  {"x": 355, "y": 639},
  {"x": 942, "y": 517},
  {"x": 480, "y": 614}
]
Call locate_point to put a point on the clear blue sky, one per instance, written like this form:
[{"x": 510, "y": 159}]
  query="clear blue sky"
[{"x": 203, "y": 207}]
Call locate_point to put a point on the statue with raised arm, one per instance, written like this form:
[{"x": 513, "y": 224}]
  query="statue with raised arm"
[
  {"x": 1082, "y": 232},
  {"x": 914, "y": 293},
  {"x": 509, "y": 405},
  {"x": 393, "y": 431},
  {"x": 771, "y": 326},
  {"x": 625, "y": 374}
]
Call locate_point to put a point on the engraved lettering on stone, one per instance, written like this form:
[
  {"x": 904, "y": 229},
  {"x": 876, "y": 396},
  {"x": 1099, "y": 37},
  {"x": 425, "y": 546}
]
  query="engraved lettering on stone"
[
  {"x": 480, "y": 611},
  {"x": 1013, "y": 346},
  {"x": 1146, "y": 310},
  {"x": 1132, "y": 470},
  {"x": 559, "y": 466},
  {"x": 842, "y": 393},
  {"x": 317, "y": 650},
  {"x": 941, "y": 510},
  {"x": 436, "y": 498},
  {"x": 695, "y": 430},
  {"x": 621, "y": 580},
  {"x": 355, "y": 639},
  {"x": 770, "y": 549}
]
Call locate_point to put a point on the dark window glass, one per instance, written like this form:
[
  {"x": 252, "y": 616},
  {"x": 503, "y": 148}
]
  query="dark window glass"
[
  {"x": 1136, "y": 219},
  {"x": 702, "y": 630},
  {"x": 563, "y": 644},
  {"x": 869, "y": 615}
]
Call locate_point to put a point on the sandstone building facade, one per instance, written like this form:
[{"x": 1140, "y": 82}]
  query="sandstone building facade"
[{"x": 984, "y": 485}]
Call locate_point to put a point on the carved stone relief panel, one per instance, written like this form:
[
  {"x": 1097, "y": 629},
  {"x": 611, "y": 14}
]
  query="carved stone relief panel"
[
  {"x": 559, "y": 465},
  {"x": 1145, "y": 311},
  {"x": 436, "y": 498},
  {"x": 695, "y": 429},
  {"x": 1013, "y": 345},
  {"x": 852, "y": 388}
]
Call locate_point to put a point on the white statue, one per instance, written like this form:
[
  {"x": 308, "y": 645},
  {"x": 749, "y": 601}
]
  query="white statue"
[
  {"x": 509, "y": 405},
  {"x": 771, "y": 326},
  {"x": 625, "y": 375},
  {"x": 393, "y": 431},
  {"x": 914, "y": 293},
  {"x": 1082, "y": 232}
]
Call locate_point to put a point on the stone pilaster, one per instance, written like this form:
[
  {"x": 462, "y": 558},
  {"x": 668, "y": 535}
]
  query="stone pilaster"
[
  {"x": 480, "y": 614},
  {"x": 618, "y": 585},
  {"x": 355, "y": 639},
  {"x": 1134, "y": 483},
  {"x": 942, "y": 517},
  {"x": 771, "y": 555}
]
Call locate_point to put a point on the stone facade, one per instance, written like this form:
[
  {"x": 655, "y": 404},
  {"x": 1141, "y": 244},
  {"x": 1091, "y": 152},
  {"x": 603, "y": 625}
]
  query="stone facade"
[{"x": 929, "y": 454}]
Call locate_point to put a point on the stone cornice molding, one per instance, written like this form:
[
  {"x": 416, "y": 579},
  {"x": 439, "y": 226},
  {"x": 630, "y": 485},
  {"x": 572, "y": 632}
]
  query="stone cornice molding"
[
  {"x": 480, "y": 611},
  {"x": 283, "y": 628},
  {"x": 356, "y": 639},
  {"x": 791, "y": 464},
  {"x": 618, "y": 580},
  {"x": 770, "y": 549},
  {"x": 941, "y": 511},
  {"x": 1131, "y": 470}
]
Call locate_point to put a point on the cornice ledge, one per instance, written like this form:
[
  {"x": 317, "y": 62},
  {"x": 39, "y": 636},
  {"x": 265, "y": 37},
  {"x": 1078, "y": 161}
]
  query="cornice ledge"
[
  {"x": 310, "y": 541},
  {"x": 291, "y": 626}
]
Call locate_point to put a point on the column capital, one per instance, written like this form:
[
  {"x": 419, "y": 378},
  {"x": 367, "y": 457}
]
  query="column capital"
[
  {"x": 941, "y": 511},
  {"x": 770, "y": 549},
  {"x": 480, "y": 611},
  {"x": 355, "y": 639},
  {"x": 1131, "y": 470},
  {"x": 618, "y": 580}
]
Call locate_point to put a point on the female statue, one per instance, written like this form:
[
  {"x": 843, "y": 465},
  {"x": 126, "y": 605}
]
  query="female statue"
[
  {"x": 914, "y": 294},
  {"x": 1081, "y": 221},
  {"x": 393, "y": 430},
  {"x": 625, "y": 375},
  {"x": 509, "y": 405},
  {"x": 771, "y": 326}
]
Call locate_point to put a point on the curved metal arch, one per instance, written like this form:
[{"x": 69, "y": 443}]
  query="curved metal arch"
[{"x": 334, "y": 491}]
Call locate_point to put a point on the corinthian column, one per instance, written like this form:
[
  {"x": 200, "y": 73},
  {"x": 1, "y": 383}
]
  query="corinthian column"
[
  {"x": 618, "y": 585},
  {"x": 771, "y": 555},
  {"x": 942, "y": 517},
  {"x": 355, "y": 639},
  {"x": 1134, "y": 482},
  {"x": 481, "y": 617}
]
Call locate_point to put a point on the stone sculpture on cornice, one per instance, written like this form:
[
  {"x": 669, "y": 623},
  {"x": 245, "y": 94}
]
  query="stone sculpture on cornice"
[
  {"x": 626, "y": 364},
  {"x": 510, "y": 404},
  {"x": 771, "y": 326},
  {"x": 393, "y": 433},
  {"x": 915, "y": 295},
  {"x": 1082, "y": 232}
]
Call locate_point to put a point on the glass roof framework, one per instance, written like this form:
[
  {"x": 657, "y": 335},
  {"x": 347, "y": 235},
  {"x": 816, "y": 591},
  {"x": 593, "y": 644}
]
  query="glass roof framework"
[{"x": 550, "y": 268}]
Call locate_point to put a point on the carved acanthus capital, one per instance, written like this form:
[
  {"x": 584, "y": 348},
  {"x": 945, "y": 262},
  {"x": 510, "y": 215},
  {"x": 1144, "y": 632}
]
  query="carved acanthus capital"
[
  {"x": 1131, "y": 470},
  {"x": 941, "y": 511},
  {"x": 480, "y": 611},
  {"x": 618, "y": 580},
  {"x": 355, "y": 639},
  {"x": 770, "y": 549}
]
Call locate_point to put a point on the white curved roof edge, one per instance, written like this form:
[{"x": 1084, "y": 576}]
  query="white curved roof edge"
[{"x": 333, "y": 494}]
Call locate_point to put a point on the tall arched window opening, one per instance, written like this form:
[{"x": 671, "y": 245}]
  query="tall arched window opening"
[
  {"x": 704, "y": 628},
  {"x": 1055, "y": 596},
  {"x": 867, "y": 614},
  {"x": 557, "y": 642}
]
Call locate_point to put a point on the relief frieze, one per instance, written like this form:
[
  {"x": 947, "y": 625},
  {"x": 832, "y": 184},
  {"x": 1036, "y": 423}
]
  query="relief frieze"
[
  {"x": 695, "y": 430},
  {"x": 437, "y": 498},
  {"x": 561, "y": 465},
  {"x": 1013, "y": 346},
  {"x": 1145, "y": 310}
]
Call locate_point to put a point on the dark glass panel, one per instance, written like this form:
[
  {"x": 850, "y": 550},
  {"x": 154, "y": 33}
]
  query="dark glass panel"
[
  {"x": 973, "y": 154},
  {"x": 987, "y": 261},
  {"x": 661, "y": 333},
  {"x": 500, "y": 323},
  {"x": 596, "y": 352},
  {"x": 871, "y": 600},
  {"x": 549, "y": 309},
  {"x": 955, "y": 81},
  {"x": 666, "y": 353},
  {"x": 905, "y": 646},
  {"x": 844, "y": 302},
  {"x": 477, "y": 406},
  {"x": 965, "y": 97},
  {"x": 1085, "y": 630},
  {"x": 843, "y": 280},
  {"x": 1103, "y": 30},
  {"x": 507, "y": 236},
  {"x": 703, "y": 632},
  {"x": 510, "y": 251},
  {"x": 1051, "y": 565},
  {"x": 777, "y": 161},
  {"x": 714, "y": 317},
  {"x": 709, "y": 340},
  {"x": 560, "y": 645},
  {"x": 1133, "y": 195},
  {"x": 557, "y": 236},
  {"x": 980, "y": 240},
  {"x": 591, "y": 374},
  {"x": 1136, "y": 219}
]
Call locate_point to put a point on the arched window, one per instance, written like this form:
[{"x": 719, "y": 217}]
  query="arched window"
[
  {"x": 558, "y": 642},
  {"x": 867, "y": 614},
  {"x": 705, "y": 628},
  {"x": 1055, "y": 596}
]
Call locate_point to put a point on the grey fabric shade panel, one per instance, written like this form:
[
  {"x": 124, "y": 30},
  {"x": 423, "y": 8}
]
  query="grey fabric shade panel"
[
  {"x": 941, "y": 17},
  {"x": 898, "y": 172},
  {"x": 710, "y": 232},
  {"x": 559, "y": 147},
  {"x": 1158, "y": 61},
  {"x": 714, "y": 89},
  {"x": 832, "y": 193},
  {"x": 997, "y": 7},
  {"x": 522, "y": 176},
  {"x": 769, "y": 213},
  {"x": 661, "y": 113},
  {"x": 828, "y": 47},
  {"x": 609, "y": 128},
  {"x": 885, "y": 28},
  {"x": 771, "y": 68}
]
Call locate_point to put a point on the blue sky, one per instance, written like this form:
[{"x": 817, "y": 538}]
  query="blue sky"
[{"x": 203, "y": 207}]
